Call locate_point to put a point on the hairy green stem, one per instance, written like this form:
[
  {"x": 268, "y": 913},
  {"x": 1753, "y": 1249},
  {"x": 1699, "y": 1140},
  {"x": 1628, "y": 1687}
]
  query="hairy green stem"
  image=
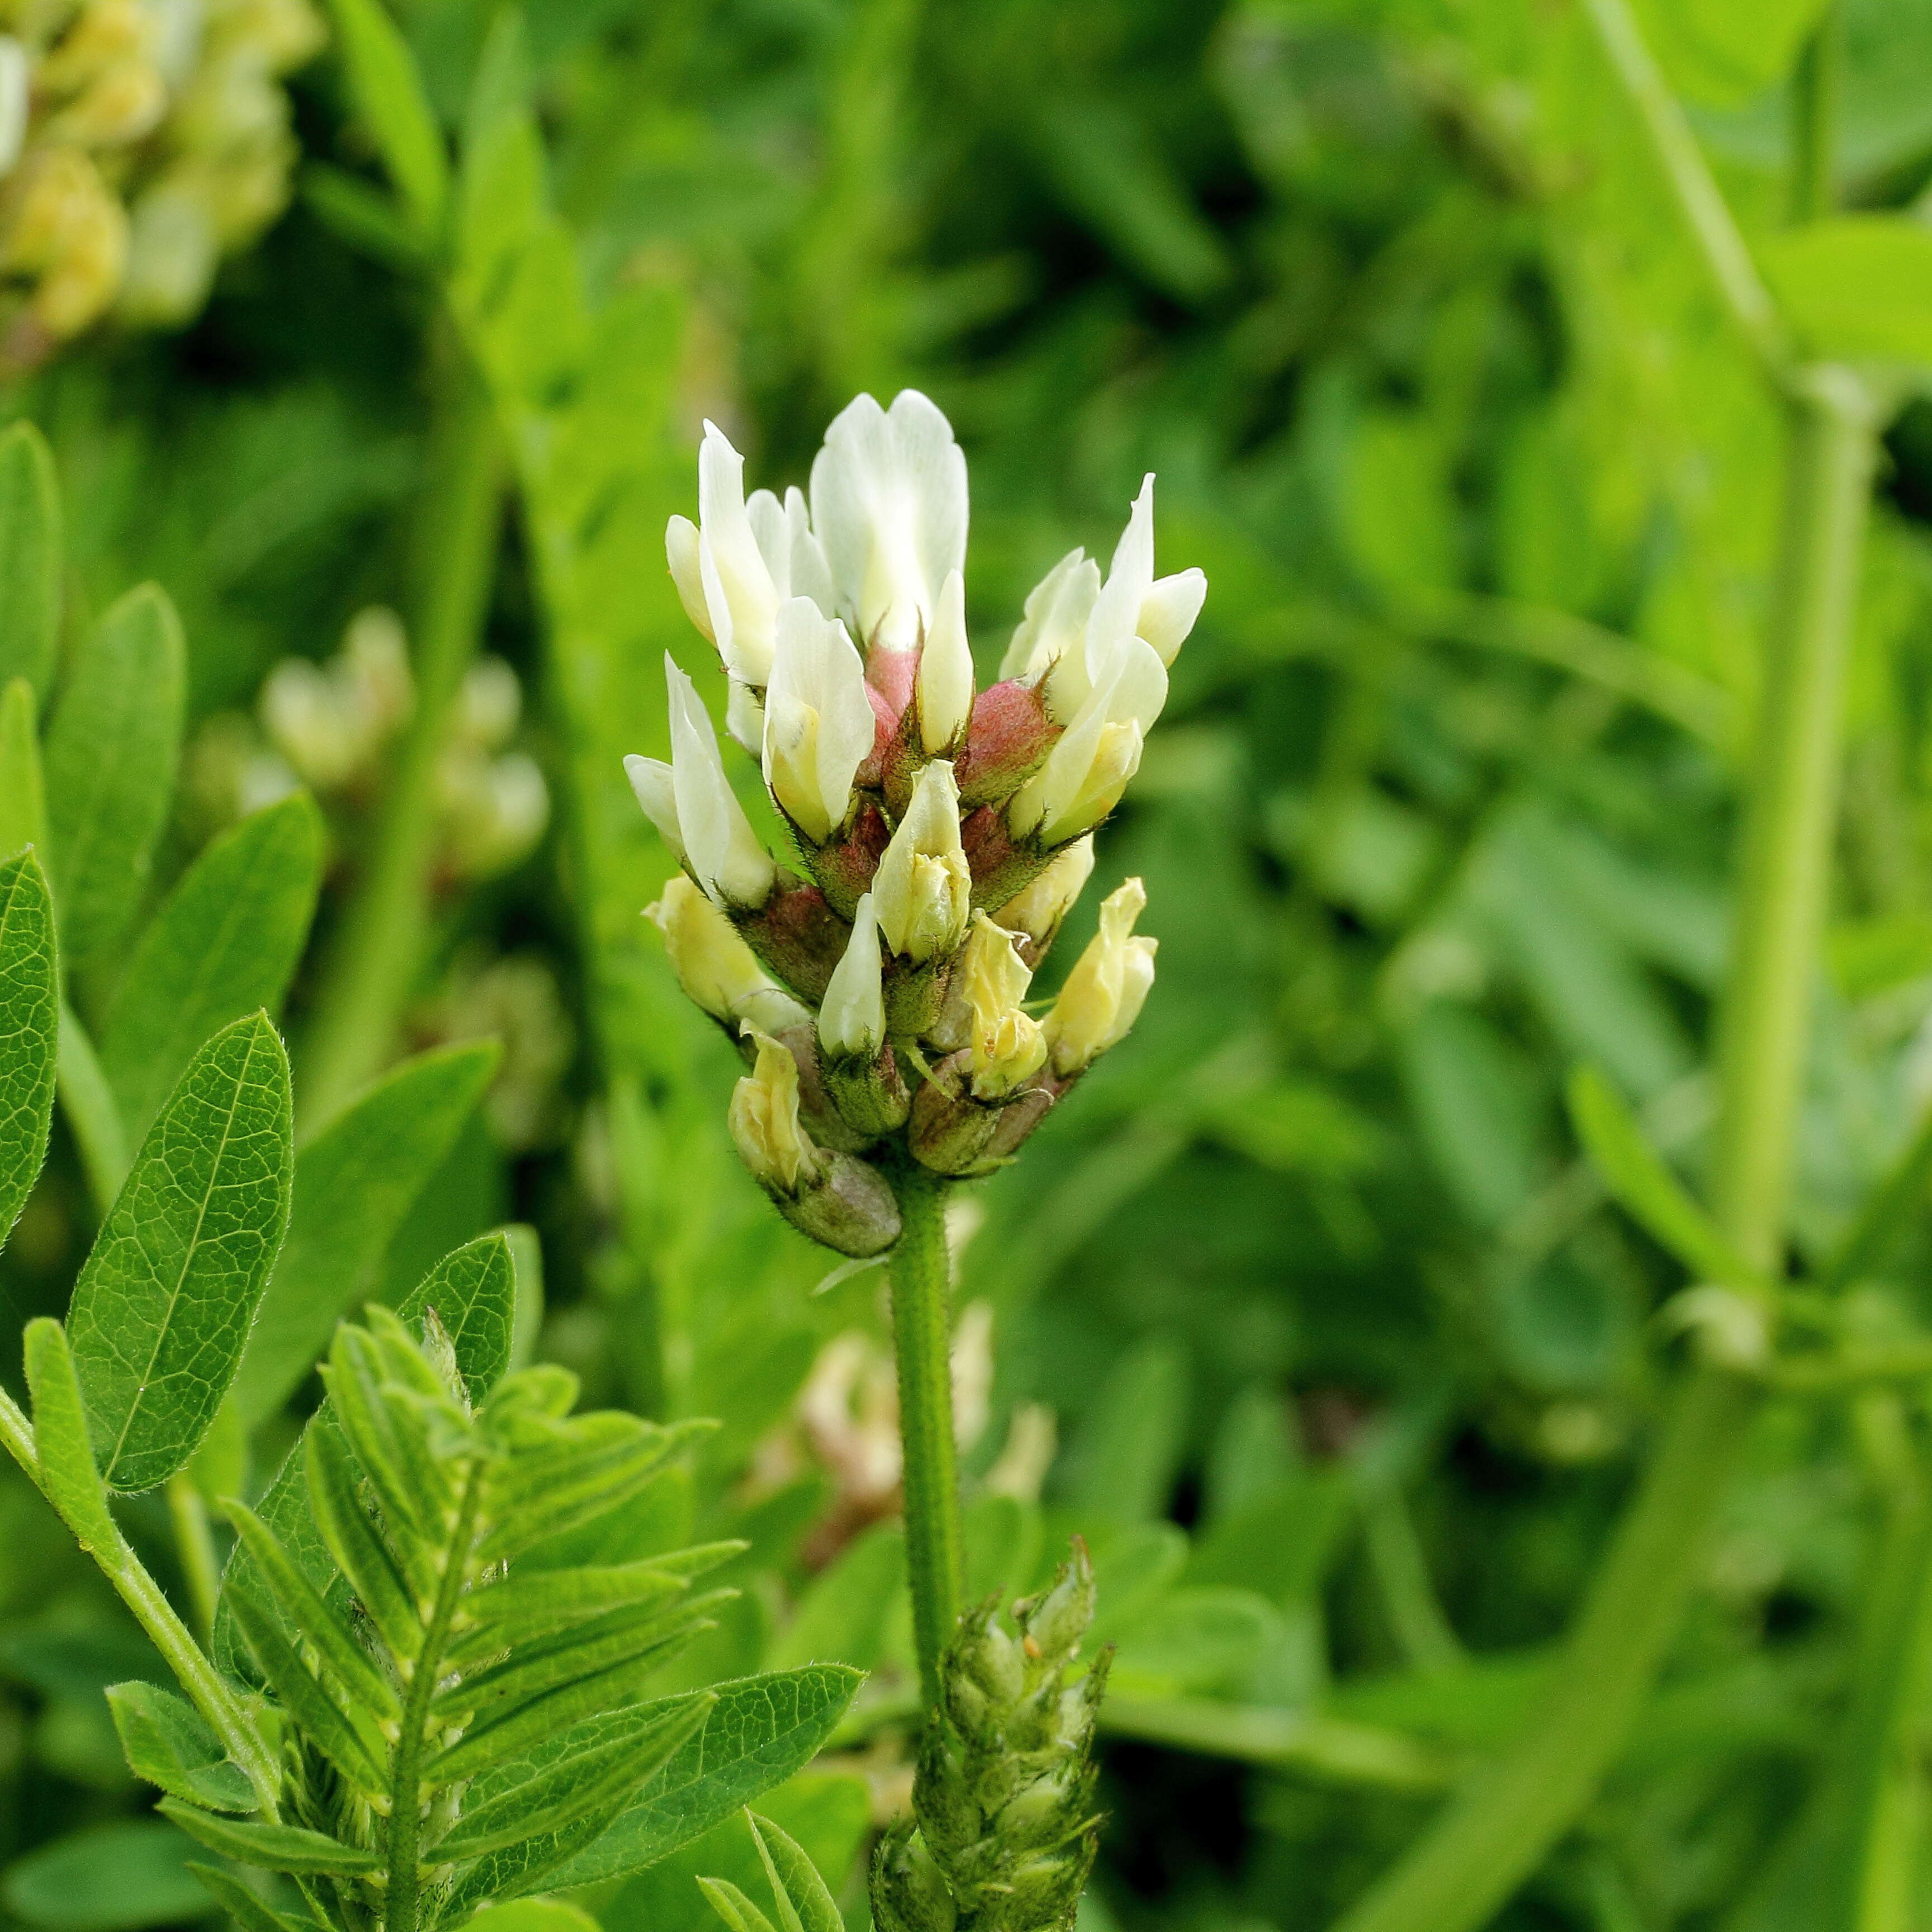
[
  {"x": 371, "y": 968},
  {"x": 1495, "y": 1833},
  {"x": 138, "y": 1590},
  {"x": 922, "y": 1297}
]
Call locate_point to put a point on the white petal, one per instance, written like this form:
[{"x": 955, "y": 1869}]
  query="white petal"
[
  {"x": 723, "y": 850},
  {"x": 1057, "y": 611},
  {"x": 889, "y": 504},
  {"x": 946, "y": 670},
  {"x": 810, "y": 575},
  {"x": 738, "y": 566},
  {"x": 819, "y": 722},
  {"x": 1129, "y": 578},
  {"x": 651, "y": 782},
  {"x": 765, "y": 515},
  {"x": 1168, "y": 611},
  {"x": 681, "y": 553},
  {"x": 744, "y": 717},
  {"x": 852, "y": 1016}
]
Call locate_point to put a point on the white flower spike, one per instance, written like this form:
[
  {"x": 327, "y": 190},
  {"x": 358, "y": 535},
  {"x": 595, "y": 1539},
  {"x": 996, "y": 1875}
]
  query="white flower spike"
[
  {"x": 889, "y": 504},
  {"x": 1108, "y": 985},
  {"x": 945, "y": 682},
  {"x": 721, "y": 848},
  {"x": 715, "y": 966},
  {"x": 819, "y": 723},
  {"x": 923, "y": 888},
  {"x": 852, "y": 1018}
]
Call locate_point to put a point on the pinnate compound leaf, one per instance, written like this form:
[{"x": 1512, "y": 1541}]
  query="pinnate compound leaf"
[
  {"x": 162, "y": 1310},
  {"x": 354, "y": 1183},
  {"x": 111, "y": 752},
  {"x": 804, "y": 1903},
  {"x": 1645, "y": 1188},
  {"x": 23, "y": 792},
  {"x": 29, "y": 1031},
  {"x": 168, "y": 1742},
  {"x": 30, "y": 559},
  {"x": 224, "y": 944},
  {"x": 761, "y": 1730},
  {"x": 68, "y": 1473},
  {"x": 284, "y": 1848},
  {"x": 390, "y": 99}
]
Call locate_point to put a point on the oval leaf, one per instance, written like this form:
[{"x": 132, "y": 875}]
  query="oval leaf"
[
  {"x": 29, "y": 1031},
  {"x": 164, "y": 1304}
]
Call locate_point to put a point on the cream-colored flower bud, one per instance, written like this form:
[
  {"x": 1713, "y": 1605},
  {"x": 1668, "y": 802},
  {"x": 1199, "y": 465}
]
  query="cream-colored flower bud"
[
  {"x": 1107, "y": 988},
  {"x": 852, "y": 1016},
  {"x": 764, "y": 1123},
  {"x": 722, "y": 848},
  {"x": 1038, "y": 911},
  {"x": 819, "y": 723},
  {"x": 945, "y": 682},
  {"x": 715, "y": 966},
  {"x": 1007, "y": 1045},
  {"x": 1087, "y": 770},
  {"x": 923, "y": 888}
]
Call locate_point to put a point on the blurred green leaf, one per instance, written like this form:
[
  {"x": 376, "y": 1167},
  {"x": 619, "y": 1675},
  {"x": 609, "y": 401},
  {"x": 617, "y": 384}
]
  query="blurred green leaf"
[
  {"x": 107, "y": 1878},
  {"x": 23, "y": 803},
  {"x": 30, "y": 559},
  {"x": 389, "y": 99},
  {"x": 1123, "y": 1464},
  {"x": 1857, "y": 286}
]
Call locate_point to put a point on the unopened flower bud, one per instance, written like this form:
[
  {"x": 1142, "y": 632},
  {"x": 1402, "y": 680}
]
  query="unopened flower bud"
[
  {"x": 1036, "y": 912},
  {"x": 764, "y": 1122},
  {"x": 922, "y": 889},
  {"x": 1087, "y": 770},
  {"x": 1007, "y": 1044},
  {"x": 852, "y": 1017},
  {"x": 819, "y": 725},
  {"x": 908, "y": 1892},
  {"x": 1107, "y": 988},
  {"x": 714, "y": 965},
  {"x": 945, "y": 682}
]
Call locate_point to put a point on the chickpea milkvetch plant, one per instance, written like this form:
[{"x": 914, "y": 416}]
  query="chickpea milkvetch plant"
[{"x": 878, "y": 995}]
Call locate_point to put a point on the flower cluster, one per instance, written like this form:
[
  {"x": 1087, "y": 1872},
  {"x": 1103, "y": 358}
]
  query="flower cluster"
[
  {"x": 140, "y": 141},
  {"x": 879, "y": 991}
]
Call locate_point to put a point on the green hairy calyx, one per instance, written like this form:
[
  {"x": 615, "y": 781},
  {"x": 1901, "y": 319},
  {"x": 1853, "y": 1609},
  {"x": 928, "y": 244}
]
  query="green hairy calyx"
[
  {"x": 1006, "y": 1830},
  {"x": 457, "y": 1708}
]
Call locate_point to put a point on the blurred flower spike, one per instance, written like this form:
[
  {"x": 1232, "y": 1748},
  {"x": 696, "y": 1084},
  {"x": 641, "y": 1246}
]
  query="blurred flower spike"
[
  {"x": 139, "y": 144},
  {"x": 876, "y": 983}
]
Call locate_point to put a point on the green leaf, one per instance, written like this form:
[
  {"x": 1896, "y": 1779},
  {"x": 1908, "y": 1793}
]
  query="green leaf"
[
  {"x": 162, "y": 1310},
  {"x": 475, "y": 1292},
  {"x": 1126, "y": 1459},
  {"x": 29, "y": 1031},
  {"x": 225, "y": 943},
  {"x": 762, "y": 1729},
  {"x": 733, "y": 1907},
  {"x": 1647, "y": 1190},
  {"x": 354, "y": 1183},
  {"x": 1857, "y": 286},
  {"x": 23, "y": 792},
  {"x": 804, "y": 1903},
  {"x": 68, "y": 1470},
  {"x": 111, "y": 753},
  {"x": 106, "y": 1878},
  {"x": 284, "y": 1848},
  {"x": 30, "y": 559},
  {"x": 170, "y": 1743},
  {"x": 243, "y": 1906},
  {"x": 390, "y": 101},
  {"x": 362, "y": 215}
]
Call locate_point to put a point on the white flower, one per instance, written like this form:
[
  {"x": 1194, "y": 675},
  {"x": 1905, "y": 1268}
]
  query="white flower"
[
  {"x": 764, "y": 1123},
  {"x": 1055, "y": 621},
  {"x": 852, "y": 1016},
  {"x": 1087, "y": 771},
  {"x": 736, "y": 565},
  {"x": 1108, "y": 985},
  {"x": 819, "y": 723},
  {"x": 923, "y": 887},
  {"x": 889, "y": 504},
  {"x": 714, "y": 966},
  {"x": 946, "y": 671},
  {"x": 691, "y": 802}
]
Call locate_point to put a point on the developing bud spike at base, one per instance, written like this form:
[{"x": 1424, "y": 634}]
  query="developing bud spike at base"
[{"x": 1003, "y": 1795}]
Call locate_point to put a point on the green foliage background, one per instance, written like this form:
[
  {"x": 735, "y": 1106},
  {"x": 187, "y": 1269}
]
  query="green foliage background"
[{"x": 1351, "y": 1360}]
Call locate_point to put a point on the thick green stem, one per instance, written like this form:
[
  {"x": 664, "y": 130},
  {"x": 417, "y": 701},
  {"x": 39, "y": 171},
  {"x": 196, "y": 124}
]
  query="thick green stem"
[
  {"x": 1493, "y": 1835},
  {"x": 922, "y": 1296},
  {"x": 372, "y": 967}
]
